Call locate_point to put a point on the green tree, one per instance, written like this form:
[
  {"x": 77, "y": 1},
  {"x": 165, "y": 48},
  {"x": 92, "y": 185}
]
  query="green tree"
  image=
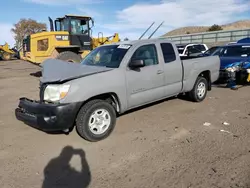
[
  {"x": 215, "y": 27},
  {"x": 25, "y": 27}
]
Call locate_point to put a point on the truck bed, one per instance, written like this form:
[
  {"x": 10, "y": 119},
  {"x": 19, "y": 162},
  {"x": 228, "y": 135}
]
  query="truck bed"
[{"x": 193, "y": 66}]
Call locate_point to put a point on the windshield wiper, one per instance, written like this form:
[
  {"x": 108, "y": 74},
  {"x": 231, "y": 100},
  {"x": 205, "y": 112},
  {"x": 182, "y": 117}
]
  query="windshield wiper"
[{"x": 109, "y": 66}]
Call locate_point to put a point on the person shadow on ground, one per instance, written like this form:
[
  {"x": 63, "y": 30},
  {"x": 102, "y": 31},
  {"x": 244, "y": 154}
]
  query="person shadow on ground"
[{"x": 59, "y": 174}]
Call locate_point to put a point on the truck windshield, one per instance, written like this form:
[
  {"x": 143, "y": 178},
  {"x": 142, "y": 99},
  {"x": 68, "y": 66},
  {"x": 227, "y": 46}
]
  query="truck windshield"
[
  {"x": 211, "y": 50},
  {"x": 106, "y": 56}
]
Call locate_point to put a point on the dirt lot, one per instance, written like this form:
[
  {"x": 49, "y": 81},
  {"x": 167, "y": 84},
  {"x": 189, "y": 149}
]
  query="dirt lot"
[{"x": 162, "y": 145}]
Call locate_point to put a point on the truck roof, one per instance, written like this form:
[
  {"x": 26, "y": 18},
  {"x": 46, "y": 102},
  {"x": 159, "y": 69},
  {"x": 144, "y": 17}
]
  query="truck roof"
[
  {"x": 189, "y": 44},
  {"x": 142, "y": 41},
  {"x": 75, "y": 16},
  {"x": 238, "y": 44}
]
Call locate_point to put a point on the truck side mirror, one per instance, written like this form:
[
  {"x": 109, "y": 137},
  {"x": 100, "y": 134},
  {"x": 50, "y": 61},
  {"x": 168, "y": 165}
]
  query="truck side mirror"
[{"x": 136, "y": 63}]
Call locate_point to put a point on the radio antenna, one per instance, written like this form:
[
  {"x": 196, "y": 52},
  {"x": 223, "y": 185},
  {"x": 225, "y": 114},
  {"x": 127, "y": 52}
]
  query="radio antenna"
[
  {"x": 146, "y": 30},
  {"x": 155, "y": 30}
]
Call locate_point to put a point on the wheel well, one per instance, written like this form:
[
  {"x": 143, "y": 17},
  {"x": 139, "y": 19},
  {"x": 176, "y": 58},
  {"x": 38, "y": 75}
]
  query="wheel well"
[
  {"x": 75, "y": 50},
  {"x": 112, "y": 98},
  {"x": 207, "y": 76}
]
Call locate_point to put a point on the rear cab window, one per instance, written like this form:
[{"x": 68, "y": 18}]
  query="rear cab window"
[
  {"x": 180, "y": 48},
  {"x": 168, "y": 52},
  {"x": 200, "y": 47}
]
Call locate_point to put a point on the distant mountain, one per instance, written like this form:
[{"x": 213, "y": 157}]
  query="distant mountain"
[{"x": 243, "y": 24}]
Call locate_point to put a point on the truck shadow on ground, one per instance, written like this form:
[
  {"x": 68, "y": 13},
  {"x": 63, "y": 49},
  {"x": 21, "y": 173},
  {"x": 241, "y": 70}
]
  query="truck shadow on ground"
[
  {"x": 180, "y": 97},
  {"x": 238, "y": 86},
  {"x": 59, "y": 173}
]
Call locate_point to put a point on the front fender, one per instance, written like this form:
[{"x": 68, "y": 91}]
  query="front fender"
[{"x": 84, "y": 88}]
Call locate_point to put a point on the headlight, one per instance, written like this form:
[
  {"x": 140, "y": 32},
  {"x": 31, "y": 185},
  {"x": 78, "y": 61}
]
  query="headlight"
[
  {"x": 233, "y": 68},
  {"x": 55, "y": 92}
]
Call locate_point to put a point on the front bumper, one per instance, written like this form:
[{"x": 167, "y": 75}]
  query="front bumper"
[
  {"x": 239, "y": 76},
  {"x": 47, "y": 117},
  {"x": 224, "y": 76}
]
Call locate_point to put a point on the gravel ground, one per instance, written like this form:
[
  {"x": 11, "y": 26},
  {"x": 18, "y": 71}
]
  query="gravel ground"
[{"x": 174, "y": 143}]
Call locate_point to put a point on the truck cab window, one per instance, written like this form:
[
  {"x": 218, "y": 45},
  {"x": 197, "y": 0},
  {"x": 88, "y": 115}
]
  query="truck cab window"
[
  {"x": 58, "y": 25},
  {"x": 200, "y": 47},
  {"x": 64, "y": 25},
  {"x": 168, "y": 52},
  {"x": 78, "y": 27},
  {"x": 147, "y": 53},
  {"x": 193, "y": 50}
]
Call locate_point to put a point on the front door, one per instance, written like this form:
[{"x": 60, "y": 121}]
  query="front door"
[
  {"x": 79, "y": 34},
  {"x": 145, "y": 84}
]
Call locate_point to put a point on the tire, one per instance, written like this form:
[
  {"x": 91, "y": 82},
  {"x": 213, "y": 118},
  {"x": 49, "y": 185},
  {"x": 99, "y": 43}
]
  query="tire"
[
  {"x": 69, "y": 57},
  {"x": 85, "y": 115},
  {"x": 6, "y": 56},
  {"x": 197, "y": 96}
]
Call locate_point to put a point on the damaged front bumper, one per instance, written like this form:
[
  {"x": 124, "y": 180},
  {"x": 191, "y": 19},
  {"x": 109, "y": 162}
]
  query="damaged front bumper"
[
  {"x": 47, "y": 117},
  {"x": 224, "y": 76}
]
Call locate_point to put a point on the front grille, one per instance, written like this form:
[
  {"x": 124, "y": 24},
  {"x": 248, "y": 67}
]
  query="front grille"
[
  {"x": 224, "y": 74},
  {"x": 22, "y": 110}
]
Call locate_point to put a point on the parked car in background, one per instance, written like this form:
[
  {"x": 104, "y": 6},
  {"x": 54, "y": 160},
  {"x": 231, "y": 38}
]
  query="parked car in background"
[
  {"x": 244, "y": 40},
  {"x": 231, "y": 43},
  {"x": 238, "y": 52},
  {"x": 209, "y": 51},
  {"x": 194, "y": 49}
]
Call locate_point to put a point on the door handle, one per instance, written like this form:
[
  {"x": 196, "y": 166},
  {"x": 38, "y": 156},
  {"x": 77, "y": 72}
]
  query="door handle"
[{"x": 160, "y": 71}]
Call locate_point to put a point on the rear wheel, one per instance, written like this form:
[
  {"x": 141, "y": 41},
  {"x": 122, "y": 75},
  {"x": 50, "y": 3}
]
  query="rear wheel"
[
  {"x": 6, "y": 56},
  {"x": 96, "y": 120},
  {"x": 199, "y": 91},
  {"x": 69, "y": 57}
]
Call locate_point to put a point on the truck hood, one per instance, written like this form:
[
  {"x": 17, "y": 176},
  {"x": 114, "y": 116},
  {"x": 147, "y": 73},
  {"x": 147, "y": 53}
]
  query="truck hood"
[
  {"x": 56, "y": 71},
  {"x": 225, "y": 61}
]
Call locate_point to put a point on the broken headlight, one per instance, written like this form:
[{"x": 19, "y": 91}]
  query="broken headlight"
[
  {"x": 53, "y": 92},
  {"x": 233, "y": 68}
]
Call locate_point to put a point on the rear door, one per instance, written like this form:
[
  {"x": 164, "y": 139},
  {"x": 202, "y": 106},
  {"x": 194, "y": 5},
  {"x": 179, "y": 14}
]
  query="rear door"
[
  {"x": 145, "y": 84},
  {"x": 172, "y": 70}
]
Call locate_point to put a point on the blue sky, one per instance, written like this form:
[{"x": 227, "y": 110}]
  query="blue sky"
[{"x": 127, "y": 17}]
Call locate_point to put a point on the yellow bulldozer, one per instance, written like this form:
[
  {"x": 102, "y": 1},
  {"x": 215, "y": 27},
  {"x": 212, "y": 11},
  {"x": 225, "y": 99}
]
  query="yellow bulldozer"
[
  {"x": 5, "y": 52},
  {"x": 69, "y": 39}
]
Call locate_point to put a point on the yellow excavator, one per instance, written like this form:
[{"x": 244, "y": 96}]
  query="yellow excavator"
[
  {"x": 5, "y": 52},
  {"x": 69, "y": 39}
]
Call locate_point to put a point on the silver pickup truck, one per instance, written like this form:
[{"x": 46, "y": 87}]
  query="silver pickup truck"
[{"x": 111, "y": 80}]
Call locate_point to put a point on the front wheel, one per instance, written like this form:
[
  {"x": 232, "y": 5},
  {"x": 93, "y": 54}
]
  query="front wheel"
[
  {"x": 6, "y": 56},
  {"x": 199, "y": 90},
  {"x": 96, "y": 120}
]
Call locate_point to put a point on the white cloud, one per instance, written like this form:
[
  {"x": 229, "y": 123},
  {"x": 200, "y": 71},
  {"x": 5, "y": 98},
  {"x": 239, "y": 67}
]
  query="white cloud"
[
  {"x": 6, "y": 34},
  {"x": 90, "y": 12},
  {"x": 178, "y": 13},
  {"x": 63, "y": 2}
]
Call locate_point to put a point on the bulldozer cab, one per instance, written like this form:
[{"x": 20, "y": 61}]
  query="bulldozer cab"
[{"x": 79, "y": 28}]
